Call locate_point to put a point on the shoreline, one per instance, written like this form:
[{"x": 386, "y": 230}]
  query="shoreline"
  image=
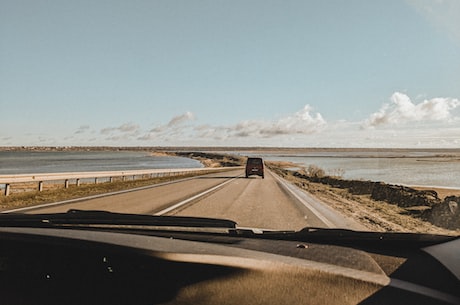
[{"x": 442, "y": 192}]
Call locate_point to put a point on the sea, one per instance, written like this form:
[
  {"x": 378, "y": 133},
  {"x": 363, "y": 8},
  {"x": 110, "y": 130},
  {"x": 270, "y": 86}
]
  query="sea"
[
  {"x": 28, "y": 162},
  {"x": 412, "y": 168}
]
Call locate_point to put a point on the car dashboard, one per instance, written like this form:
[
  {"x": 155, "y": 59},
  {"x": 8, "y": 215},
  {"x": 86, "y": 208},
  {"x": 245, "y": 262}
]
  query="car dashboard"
[{"x": 87, "y": 266}]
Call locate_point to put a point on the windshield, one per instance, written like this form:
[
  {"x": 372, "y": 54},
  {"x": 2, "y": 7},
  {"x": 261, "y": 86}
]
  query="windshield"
[{"x": 277, "y": 115}]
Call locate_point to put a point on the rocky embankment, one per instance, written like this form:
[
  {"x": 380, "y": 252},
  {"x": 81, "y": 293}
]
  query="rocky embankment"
[{"x": 423, "y": 204}]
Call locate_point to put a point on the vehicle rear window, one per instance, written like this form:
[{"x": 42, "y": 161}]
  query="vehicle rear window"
[{"x": 254, "y": 161}]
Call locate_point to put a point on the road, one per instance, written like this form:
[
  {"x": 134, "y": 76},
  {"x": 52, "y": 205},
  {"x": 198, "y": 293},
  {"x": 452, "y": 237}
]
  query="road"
[{"x": 254, "y": 202}]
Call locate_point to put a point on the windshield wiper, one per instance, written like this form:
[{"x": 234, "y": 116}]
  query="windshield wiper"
[
  {"x": 91, "y": 217},
  {"x": 103, "y": 219},
  {"x": 351, "y": 237}
]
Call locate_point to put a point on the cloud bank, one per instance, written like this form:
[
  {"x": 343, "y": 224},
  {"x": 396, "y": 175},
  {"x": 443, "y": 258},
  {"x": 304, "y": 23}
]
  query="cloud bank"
[
  {"x": 403, "y": 110},
  {"x": 301, "y": 122},
  {"x": 399, "y": 123}
]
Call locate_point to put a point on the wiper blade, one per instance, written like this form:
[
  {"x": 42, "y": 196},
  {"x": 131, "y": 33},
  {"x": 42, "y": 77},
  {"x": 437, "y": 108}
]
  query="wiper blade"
[
  {"x": 91, "y": 217},
  {"x": 351, "y": 237}
]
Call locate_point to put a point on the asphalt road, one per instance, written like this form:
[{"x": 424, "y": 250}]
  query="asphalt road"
[{"x": 252, "y": 202}]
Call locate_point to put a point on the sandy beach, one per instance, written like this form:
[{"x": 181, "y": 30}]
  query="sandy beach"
[{"x": 442, "y": 192}]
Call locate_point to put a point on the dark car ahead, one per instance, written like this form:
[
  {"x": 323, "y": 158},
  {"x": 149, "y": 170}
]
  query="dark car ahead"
[{"x": 254, "y": 166}]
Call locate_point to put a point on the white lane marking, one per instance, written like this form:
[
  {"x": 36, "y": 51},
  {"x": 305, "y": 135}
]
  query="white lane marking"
[
  {"x": 179, "y": 204},
  {"x": 290, "y": 187}
]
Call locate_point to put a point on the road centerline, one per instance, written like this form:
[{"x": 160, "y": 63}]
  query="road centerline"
[{"x": 188, "y": 200}]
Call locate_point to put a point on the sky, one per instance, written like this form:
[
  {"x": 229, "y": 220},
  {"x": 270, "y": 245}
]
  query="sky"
[{"x": 285, "y": 73}]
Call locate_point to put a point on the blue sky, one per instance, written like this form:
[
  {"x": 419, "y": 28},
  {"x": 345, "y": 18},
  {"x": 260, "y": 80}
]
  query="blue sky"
[{"x": 230, "y": 73}]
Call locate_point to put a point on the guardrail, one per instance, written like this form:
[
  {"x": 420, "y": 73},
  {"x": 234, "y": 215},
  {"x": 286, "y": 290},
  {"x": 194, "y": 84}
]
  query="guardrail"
[{"x": 77, "y": 177}]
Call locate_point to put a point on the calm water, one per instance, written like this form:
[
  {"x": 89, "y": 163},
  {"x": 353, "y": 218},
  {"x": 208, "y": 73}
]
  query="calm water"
[
  {"x": 25, "y": 162},
  {"x": 417, "y": 168}
]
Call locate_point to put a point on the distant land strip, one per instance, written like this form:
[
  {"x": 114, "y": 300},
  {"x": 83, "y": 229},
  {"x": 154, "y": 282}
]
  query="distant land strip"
[{"x": 265, "y": 149}]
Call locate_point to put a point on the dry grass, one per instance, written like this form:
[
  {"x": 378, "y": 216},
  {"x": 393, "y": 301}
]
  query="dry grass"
[
  {"x": 281, "y": 164},
  {"x": 374, "y": 215}
]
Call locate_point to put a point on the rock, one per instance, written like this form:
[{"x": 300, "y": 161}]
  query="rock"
[{"x": 445, "y": 214}]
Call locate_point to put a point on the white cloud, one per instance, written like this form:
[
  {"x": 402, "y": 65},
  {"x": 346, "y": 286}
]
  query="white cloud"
[
  {"x": 177, "y": 120},
  {"x": 82, "y": 129},
  {"x": 174, "y": 128},
  {"x": 207, "y": 131},
  {"x": 174, "y": 122},
  {"x": 403, "y": 110},
  {"x": 124, "y": 132},
  {"x": 300, "y": 123},
  {"x": 127, "y": 128}
]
